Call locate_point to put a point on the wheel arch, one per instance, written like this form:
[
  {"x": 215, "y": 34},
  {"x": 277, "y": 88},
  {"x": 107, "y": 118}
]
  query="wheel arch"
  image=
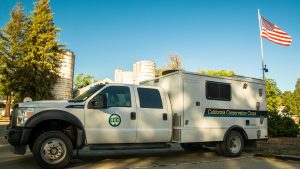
[
  {"x": 53, "y": 115},
  {"x": 238, "y": 129},
  {"x": 60, "y": 116}
]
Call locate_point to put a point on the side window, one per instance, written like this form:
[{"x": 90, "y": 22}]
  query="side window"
[
  {"x": 117, "y": 96},
  {"x": 218, "y": 91},
  {"x": 149, "y": 98}
]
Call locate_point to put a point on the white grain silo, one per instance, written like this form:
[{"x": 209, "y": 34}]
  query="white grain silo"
[
  {"x": 143, "y": 70},
  {"x": 64, "y": 85}
]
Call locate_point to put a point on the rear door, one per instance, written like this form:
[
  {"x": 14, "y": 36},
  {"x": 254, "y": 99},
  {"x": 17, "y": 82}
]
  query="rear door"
[
  {"x": 192, "y": 103},
  {"x": 154, "y": 119}
]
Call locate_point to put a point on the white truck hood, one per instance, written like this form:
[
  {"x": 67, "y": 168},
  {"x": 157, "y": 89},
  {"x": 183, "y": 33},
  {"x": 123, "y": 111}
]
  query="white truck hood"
[{"x": 50, "y": 103}]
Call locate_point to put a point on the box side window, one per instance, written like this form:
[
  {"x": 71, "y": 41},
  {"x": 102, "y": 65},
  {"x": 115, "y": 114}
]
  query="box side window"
[
  {"x": 149, "y": 98},
  {"x": 218, "y": 91}
]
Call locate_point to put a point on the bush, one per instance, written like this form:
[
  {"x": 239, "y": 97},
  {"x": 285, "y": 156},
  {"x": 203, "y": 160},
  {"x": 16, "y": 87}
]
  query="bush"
[{"x": 282, "y": 126}]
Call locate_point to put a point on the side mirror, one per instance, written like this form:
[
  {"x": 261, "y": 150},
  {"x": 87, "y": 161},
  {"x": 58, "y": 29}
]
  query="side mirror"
[{"x": 98, "y": 102}]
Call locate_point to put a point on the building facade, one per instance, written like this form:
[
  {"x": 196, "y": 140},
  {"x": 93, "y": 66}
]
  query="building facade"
[
  {"x": 125, "y": 77},
  {"x": 142, "y": 70},
  {"x": 63, "y": 88}
]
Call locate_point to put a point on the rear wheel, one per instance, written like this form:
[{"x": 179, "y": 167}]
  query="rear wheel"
[
  {"x": 191, "y": 146},
  {"x": 53, "y": 149},
  {"x": 233, "y": 144}
]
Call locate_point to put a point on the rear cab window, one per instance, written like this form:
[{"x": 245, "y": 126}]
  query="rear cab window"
[{"x": 150, "y": 98}]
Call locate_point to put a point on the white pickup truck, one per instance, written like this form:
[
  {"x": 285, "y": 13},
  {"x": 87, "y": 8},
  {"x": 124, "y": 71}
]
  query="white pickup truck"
[{"x": 180, "y": 107}]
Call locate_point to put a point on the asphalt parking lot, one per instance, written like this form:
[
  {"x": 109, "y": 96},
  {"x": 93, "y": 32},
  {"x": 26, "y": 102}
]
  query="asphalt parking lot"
[{"x": 174, "y": 158}]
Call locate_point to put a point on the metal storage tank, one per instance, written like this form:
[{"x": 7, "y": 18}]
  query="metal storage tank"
[{"x": 63, "y": 88}]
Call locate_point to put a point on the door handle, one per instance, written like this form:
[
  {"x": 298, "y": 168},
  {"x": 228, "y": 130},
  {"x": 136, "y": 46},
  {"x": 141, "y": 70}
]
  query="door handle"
[
  {"x": 132, "y": 115},
  {"x": 165, "y": 116}
]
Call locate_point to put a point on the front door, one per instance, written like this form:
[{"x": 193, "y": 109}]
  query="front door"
[{"x": 112, "y": 124}]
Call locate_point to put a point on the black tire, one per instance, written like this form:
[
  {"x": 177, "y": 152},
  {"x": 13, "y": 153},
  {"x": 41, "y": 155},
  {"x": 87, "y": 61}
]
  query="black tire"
[
  {"x": 53, "y": 144},
  {"x": 219, "y": 149},
  {"x": 233, "y": 144},
  {"x": 191, "y": 146}
]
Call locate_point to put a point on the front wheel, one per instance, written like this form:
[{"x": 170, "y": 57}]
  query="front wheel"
[
  {"x": 53, "y": 150},
  {"x": 233, "y": 144}
]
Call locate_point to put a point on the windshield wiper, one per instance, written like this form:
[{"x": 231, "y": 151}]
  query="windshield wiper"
[{"x": 87, "y": 93}]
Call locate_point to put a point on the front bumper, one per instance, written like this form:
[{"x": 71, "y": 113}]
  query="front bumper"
[{"x": 18, "y": 138}]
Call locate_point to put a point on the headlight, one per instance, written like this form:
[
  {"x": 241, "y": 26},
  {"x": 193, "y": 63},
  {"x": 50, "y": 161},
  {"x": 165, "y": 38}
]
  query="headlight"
[{"x": 23, "y": 114}]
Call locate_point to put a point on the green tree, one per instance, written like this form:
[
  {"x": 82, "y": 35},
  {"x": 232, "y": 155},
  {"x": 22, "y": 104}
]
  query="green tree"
[
  {"x": 218, "y": 73},
  {"x": 288, "y": 101},
  {"x": 40, "y": 66},
  {"x": 295, "y": 109},
  {"x": 282, "y": 126},
  {"x": 272, "y": 96},
  {"x": 82, "y": 80},
  {"x": 12, "y": 43}
]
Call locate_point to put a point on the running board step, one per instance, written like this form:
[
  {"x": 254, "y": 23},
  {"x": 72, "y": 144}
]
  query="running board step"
[{"x": 128, "y": 146}]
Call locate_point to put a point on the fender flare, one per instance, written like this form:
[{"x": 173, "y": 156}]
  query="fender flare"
[
  {"x": 236, "y": 128},
  {"x": 59, "y": 115}
]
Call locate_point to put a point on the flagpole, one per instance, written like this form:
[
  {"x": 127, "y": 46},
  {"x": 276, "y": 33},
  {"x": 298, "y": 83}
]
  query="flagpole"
[{"x": 261, "y": 45}]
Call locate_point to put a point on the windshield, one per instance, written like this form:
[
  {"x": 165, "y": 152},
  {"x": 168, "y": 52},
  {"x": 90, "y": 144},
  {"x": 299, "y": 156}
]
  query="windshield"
[{"x": 87, "y": 94}]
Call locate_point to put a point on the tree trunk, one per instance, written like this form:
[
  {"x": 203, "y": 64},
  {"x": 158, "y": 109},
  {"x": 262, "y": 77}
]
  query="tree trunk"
[{"x": 7, "y": 106}]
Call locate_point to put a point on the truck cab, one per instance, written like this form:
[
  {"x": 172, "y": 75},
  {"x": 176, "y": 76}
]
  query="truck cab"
[{"x": 127, "y": 114}]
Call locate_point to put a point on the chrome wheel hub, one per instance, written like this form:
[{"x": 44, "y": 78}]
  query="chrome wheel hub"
[
  {"x": 53, "y": 151},
  {"x": 235, "y": 144}
]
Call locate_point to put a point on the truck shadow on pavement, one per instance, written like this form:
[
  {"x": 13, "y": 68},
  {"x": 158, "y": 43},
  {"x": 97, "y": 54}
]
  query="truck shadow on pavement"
[
  {"x": 9, "y": 160},
  {"x": 109, "y": 159},
  {"x": 139, "y": 158},
  {"x": 174, "y": 157}
]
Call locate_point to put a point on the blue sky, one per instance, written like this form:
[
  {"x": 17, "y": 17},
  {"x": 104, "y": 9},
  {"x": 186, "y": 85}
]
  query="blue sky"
[{"x": 211, "y": 34}]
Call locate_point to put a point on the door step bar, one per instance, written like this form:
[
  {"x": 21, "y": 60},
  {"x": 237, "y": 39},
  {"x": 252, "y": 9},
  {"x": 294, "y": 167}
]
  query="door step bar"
[{"x": 128, "y": 146}]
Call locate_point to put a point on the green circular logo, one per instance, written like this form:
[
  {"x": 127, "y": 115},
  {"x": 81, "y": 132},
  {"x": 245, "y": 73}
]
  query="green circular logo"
[{"x": 114, "y": 120}]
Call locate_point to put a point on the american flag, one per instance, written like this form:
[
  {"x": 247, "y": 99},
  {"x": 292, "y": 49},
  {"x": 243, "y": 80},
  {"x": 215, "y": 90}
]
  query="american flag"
[{"x": 274, "y": 34}]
